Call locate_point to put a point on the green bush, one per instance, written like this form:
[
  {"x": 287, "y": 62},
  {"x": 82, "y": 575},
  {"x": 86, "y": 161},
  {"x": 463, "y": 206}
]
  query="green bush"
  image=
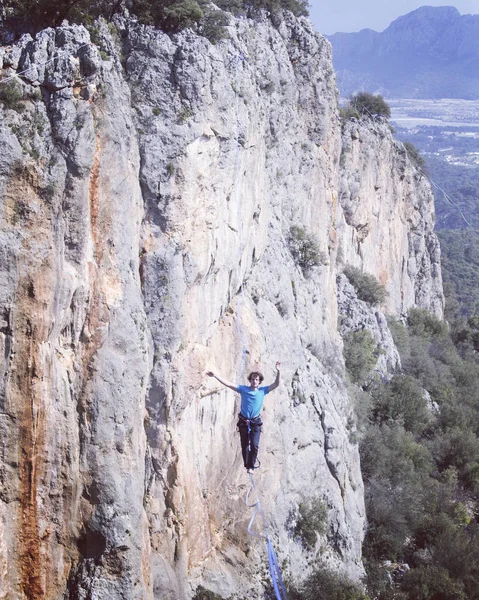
[
  {"x": 304, "y": 248},
  {"x": 369, "y": 105},
  {"x": 348, "y": 112},
  {"x": 297, "y": 7},
  {"x": 400, "y": 334},
  {"x": 422, "y": 485},
  {"x": 361, "y": 353},
  {"x": 213, "y": 26},
  {"x": 233, "y": 6},
  {"x": 312, "y": 520},
  {"x": 432, "y": 583},
  {"x": 401, "y": 401},
  {"x": 367, "y": 286},
  {"x": 11, "y": 95},
  {"x": 396, "y": 471},
  {"x": 424, "y": 324},
  {"x": 414, "y": 155},
  {"x": 325, "y": 584},
  {"x": 170, "y": 15},
  {"x": 181, "y": 14},
  {"x": 202, "y": 593},
  {"x": 458, "y": 447}
]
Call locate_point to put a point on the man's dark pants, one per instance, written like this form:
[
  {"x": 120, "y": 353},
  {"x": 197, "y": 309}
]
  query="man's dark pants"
[{"x": 250, "y": 432}]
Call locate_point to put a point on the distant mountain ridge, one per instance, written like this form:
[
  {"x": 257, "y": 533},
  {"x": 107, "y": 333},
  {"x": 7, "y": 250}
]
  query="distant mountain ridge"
[{"x": 432, "y": 52}]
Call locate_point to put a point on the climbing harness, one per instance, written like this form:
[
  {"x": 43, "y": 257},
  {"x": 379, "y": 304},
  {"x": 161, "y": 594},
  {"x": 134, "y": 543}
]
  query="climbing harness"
[{"x": 274, "y": 569}]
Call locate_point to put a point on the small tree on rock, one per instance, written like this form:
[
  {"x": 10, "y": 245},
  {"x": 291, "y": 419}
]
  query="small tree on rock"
[{"x": 370, "y": 105}]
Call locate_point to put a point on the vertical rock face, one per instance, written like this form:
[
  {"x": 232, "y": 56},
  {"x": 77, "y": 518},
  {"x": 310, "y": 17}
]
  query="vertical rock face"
[
  {"x": 148, "y": 193},
  {"x": 389, "y": 218}
]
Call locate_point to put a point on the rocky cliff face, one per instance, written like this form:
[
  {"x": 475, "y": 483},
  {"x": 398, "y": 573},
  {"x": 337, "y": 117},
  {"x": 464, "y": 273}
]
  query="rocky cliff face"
[{"x": 149, "y": 185}]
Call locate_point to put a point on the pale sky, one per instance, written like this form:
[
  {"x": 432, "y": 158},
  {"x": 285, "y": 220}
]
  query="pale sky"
[{"x": 331, "y": 16}]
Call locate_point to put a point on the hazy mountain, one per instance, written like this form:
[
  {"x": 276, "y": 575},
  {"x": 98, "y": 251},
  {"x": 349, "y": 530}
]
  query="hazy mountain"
[{"x": 432, "y": 52}]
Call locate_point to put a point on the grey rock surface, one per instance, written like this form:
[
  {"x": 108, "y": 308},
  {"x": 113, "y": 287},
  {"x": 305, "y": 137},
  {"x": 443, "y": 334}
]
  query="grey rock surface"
[
  {"x": 148, "y": 191},
  {"x": 357, "y": 315},
  {"x": 389, "y": 218}
]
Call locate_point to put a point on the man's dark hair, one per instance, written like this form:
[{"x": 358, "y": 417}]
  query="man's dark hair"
[{"x": 253, "y": 373}]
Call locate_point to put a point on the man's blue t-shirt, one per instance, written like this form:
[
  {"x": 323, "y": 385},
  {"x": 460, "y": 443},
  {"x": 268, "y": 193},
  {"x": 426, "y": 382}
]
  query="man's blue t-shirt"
[{"x": 252, "y": 400}]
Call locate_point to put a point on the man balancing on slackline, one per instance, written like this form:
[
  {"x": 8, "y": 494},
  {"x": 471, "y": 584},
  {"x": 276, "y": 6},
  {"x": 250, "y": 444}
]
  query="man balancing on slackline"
[{"x": 249, "y": 422}]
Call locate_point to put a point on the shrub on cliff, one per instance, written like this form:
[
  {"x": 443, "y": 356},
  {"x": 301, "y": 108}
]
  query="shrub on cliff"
[
  {"x": 34, "y": 15},
  {"x": 367, "y": 286},
  {"x": 312, "y": 520},
  {"x": 402, "y": 401},
  {"x": 297, "y": 7},
  {"x": 348, "y": 112},
  {"x": 414, "y": 155},
  {"x": 169, "y": 15},
  {"x": 369, "y": 105},
  {"x": 11, "y": 96},
  {"x": 325, "y": 584},
  {"x": 304, "y": 248},
  {"x": 361, "y": 354},
  {"x": 202, "y": 593}
]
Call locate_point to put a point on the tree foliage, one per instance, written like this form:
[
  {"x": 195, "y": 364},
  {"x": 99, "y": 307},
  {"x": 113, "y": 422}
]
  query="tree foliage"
[
  {"x": 325, "y": 584},
  {"x": 369, "y": 105},
  {"x": 460, "y": 267},
  {"x": 169, "y": 15},
  {"x": 361, "y": 353},
  {"x": 304, "y": 248},
  {"x": 366, "y": 285},
  {"x": 419, "y": 451}
]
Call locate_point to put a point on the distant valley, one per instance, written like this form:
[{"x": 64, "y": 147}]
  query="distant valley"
[
  {"x": 432, "y": 52},
  {"x": 426, "y": 65},
  {"x": 446, "y": 132}
]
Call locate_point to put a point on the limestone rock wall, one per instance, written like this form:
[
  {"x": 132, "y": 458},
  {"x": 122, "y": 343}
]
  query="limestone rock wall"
[
  {"x": 149, "y": 185},
  {"x": 389, "y": 218}
]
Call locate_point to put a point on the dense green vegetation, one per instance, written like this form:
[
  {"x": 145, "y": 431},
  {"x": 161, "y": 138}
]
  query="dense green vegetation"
[
  {"x": 460, "y": 270},
  {"x": 305, "y": 249},
  {"x": 324, "y": 584},
  {"x": 360, "y": 354},
  {"x": 366, "y": 285},
  {"x": 170, "y": 15},
  {"x": 420, "y": 460},
  {"x": 11, "y": 96}
]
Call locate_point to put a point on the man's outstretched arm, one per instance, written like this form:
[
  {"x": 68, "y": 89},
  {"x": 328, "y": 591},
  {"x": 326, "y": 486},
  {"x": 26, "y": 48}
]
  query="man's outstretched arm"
[
  {"x": 274, "y": 385},
  {"x": 225, "y": 383}
]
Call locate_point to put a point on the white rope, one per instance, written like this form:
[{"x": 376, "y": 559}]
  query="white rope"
[
  {"x": 34, "y": 66},
  {"x": 240, "y": 329},
  {"x": 451, "y": 202}
]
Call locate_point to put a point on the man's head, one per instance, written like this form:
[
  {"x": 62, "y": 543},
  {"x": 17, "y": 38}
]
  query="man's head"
[{"x": 255, "y": 378}]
